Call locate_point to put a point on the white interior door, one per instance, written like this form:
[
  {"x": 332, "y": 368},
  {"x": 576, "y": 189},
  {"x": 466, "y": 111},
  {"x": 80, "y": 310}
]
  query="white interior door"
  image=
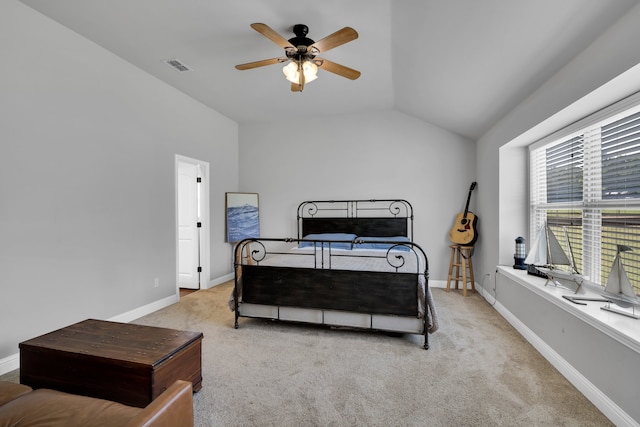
[{"x": 188, "y": 183}]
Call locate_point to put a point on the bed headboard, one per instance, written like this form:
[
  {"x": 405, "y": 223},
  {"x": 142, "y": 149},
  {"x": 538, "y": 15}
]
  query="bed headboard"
[{"x": 364, "y": 218}]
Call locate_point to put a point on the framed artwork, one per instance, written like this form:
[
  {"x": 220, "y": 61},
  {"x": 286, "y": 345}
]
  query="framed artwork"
[{"x": 243, "y": 220}]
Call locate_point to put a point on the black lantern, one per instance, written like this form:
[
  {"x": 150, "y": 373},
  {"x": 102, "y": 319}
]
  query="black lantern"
[{"x": 520, "y": 255}]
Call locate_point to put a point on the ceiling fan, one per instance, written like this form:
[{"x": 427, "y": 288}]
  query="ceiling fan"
[{"x": 301, "y": 53}]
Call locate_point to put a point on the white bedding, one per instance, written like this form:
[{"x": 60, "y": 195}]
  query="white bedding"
[{"x": 341, "y": 259}]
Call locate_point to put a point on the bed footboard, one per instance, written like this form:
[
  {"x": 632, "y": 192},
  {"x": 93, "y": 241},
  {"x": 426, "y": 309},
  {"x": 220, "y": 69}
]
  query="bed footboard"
[
  {"x": 357, "y": 291},
  {"x": 384, "y": 290}
]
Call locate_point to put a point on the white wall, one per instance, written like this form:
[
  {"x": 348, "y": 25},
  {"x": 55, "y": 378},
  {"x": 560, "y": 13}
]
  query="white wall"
[
  {"x": 87, "y": 195},
  {"x": 360, "y": 156}
]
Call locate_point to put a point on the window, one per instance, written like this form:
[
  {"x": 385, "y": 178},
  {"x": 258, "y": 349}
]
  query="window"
[{"x": 585, "y": 185}]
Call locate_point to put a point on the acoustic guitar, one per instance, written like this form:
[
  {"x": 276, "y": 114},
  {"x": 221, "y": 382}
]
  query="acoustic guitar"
[{"x": 464, "y": 231}]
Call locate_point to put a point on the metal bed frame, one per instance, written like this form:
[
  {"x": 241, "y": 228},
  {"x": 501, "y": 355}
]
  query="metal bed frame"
[{"x": 329, "y": 295}]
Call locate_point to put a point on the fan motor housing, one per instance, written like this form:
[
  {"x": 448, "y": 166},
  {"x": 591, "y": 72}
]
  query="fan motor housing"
[{"x": 301, "y": 43}]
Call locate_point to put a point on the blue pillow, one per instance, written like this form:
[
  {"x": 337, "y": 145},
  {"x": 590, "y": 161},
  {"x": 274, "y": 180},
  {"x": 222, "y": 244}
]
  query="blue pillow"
[
  {"x": 363, "y": 243},
  {"x": 328, "y": 236}
]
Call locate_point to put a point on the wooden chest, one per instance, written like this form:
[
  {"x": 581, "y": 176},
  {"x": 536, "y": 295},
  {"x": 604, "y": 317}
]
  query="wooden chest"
[{"x": 126, "y": 363}]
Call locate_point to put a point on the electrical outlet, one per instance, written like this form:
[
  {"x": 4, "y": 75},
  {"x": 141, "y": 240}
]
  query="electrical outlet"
[{"x": 156, "y": 282}]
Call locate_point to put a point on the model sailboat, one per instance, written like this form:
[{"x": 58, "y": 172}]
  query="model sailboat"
[
  {"x": 618, "y": 289},
  {"x": 547, "y": 255}
]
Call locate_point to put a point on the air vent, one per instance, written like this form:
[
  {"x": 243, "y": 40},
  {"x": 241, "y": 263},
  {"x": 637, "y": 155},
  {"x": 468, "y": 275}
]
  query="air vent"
[{"x": 177, "y": 65}]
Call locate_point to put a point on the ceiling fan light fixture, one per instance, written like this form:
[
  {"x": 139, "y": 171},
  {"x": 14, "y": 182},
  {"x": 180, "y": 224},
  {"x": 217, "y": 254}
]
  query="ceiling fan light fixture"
[
  {"x": 291, "y": 71},
  {"x": 309, "y": 69}
]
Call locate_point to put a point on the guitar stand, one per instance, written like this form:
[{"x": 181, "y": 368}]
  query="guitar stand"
[{"x": 461, "y": 262}]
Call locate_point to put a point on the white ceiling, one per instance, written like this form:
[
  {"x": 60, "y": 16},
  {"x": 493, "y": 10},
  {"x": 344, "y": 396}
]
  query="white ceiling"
[{"x": 458, "y": 64}]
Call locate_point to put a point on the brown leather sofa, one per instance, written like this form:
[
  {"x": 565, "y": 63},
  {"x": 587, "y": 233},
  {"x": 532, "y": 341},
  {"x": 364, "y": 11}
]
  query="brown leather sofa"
[{"x": 20, "y": 406}]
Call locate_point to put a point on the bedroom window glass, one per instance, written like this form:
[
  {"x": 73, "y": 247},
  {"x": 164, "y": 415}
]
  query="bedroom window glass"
[{"x": 585, "y": 184}]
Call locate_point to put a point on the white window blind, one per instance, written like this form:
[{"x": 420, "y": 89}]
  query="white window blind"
[
  {"x": 564, "y": 171},
  {"x": 585, "y": 185},
  {"x": 621, "y": 158}
]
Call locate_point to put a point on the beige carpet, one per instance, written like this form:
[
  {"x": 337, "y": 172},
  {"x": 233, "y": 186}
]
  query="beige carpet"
[{"x": 478, "y": 372}]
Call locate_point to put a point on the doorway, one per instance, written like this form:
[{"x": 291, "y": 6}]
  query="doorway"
[{"x": 192, "y": 223}]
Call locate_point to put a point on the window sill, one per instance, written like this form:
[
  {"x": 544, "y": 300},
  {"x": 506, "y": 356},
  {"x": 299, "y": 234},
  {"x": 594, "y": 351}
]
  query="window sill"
[{"x": 624, "y": 329}]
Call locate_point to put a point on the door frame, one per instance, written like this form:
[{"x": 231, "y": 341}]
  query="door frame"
[{"x": 205, "y": 260}]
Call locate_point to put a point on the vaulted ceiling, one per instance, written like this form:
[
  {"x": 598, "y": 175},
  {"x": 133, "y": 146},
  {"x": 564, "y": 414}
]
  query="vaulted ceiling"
[{"x": 458, "y": 64}]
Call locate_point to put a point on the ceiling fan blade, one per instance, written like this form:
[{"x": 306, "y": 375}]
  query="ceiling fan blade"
[
  {"x": 336, "y": 39},
  {"x": 271, "y": 34},
  {"x": 338, "y": 69},
  {"x": 262, "y": 63}
]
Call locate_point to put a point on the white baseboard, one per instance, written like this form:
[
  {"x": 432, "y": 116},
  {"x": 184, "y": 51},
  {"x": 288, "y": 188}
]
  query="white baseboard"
[
  {"x": 437, "y": 283},
  {"x": 145, "y": 309},
  {"x": 220, "y": 280},
  {"x": 9, "y": 363},
  {"x": 591, "y": 392}
]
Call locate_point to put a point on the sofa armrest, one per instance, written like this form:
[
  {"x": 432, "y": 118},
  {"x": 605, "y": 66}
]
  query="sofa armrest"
[
  {"x": 174, "y": 407},
  {"x": 10, "y": 391}
]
